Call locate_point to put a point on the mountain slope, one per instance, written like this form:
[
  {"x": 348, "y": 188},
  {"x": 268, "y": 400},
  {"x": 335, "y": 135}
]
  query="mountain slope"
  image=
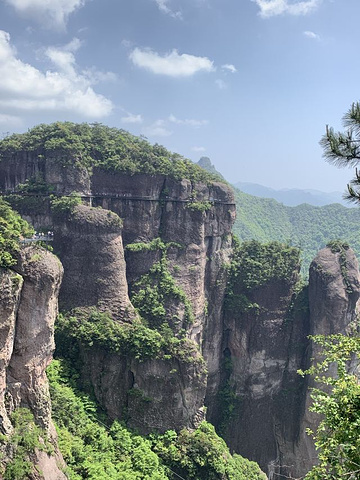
[
  {"x": 292, "y": 196},
  {"x": 308, "y": 227}
]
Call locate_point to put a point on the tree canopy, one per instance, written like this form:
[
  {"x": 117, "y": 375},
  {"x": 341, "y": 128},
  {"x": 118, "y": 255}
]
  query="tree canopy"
[
  {"x": 342, "y": 149},
  {"x": 95, "y": 145},
  {"x": 12, "y": 227},
  {"x": 337, "y": 399}
]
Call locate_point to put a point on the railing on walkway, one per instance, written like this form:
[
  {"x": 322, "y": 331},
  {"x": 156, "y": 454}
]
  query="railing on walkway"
[
  {"x": 122, "y": 196},
  {"x": 38, "y": 237}
]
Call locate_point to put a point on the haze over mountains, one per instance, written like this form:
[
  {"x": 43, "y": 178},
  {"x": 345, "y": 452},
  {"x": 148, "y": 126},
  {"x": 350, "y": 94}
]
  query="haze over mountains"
[
  {"x": 308, "y": 219},
  {"x": 290, "y": 197},
  {"x": 293, "y": 196}
]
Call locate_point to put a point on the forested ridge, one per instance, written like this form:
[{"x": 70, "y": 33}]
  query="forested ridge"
[{"x": 307, "y": 227}]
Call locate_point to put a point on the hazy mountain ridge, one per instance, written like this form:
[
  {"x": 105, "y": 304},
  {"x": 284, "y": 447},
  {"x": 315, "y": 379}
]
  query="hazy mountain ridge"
[
  {"x": 293, "y": 196},
  {"x": 307, "y": 219},
  {"x": 306, "y": 226}
]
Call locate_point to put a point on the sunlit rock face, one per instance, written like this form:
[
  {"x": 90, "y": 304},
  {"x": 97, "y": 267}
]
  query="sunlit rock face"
[
  {"x": 28, "y": 308},
  {"x": 99, "y": 271}
]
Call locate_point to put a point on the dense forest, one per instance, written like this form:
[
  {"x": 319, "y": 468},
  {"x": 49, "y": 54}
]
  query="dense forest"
[{"x": 307, "y": 227}]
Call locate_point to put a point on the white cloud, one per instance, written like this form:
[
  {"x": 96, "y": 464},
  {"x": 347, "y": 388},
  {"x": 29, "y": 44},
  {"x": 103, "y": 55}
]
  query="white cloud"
[
  {"x": 63, "y": 58},
  {"x": 164, "y": 7},
  {"x": 97, "y": 76},
  {"x": 228, "y": 66},
  {"x": 24, "y": 87},
  {"x": 171, "y": 64},
  {"x": 270, "y": 8},
  {"x": 157, "y": 129},
  {"x": 191, "y": 122},
  {"x": 198, "y": 149},
  {"x": 220, "y": 84},
  {"x": 131, "y": 118},
  {"x": 312, "y": 35},
  {"x": 50, "y": 13}
]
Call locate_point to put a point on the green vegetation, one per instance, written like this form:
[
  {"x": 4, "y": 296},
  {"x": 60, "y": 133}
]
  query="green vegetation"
[
  {"x": 27, "y": 205},
  {"x": 98, "y": 328},
  {"x": 305, "y": 226},
  {"x": 34, "y": 185},
  {"x": 202, "y": 455},
  {"x": 337, "y": 400},
  {"x": 254, "y": 265},
  {"x": 94, "y": 328},
  {"x": 154, "y": 291},
  {"x": 63, "y": 205},
  {"x": 338, "y": 246},
  {"x": 155, "y": 244},
  {"x": 93, "y": 449},
  {"x": 95, "y": 145},
  {"x": 96, "y": 450},
  {"x": 227, "y": 397},
  {"x": 12, "y": 228},
  {"x": 199, "y": 206},
  {"x": 25, "y": 440},
  {"x": 343, "y": 148}
]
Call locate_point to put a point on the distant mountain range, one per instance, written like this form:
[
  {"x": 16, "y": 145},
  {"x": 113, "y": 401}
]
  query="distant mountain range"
[
  {"x": 290, "y": 197},
  {"x": 307, "y": 219},
  {"x": 293, "y": 196}
]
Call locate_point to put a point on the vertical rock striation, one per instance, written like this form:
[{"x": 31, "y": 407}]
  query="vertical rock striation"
[
  {"x": 28, "y": 302},
  {"x": 334, "y": 290},
  {"x": 89, "y": 242},
  {"x": 193, "y": 223},
  {"x": 265, "y": 347}
]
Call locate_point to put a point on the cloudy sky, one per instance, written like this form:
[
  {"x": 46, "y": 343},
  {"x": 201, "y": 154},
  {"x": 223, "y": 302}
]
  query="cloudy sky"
[{"x": 249, "y": 83}]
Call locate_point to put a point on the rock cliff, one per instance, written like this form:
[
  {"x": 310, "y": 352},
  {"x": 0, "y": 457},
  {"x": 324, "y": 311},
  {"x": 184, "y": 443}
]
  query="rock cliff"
[
  {"x": 267, "y": 401},
  {"x": 103, "y": 266},
  {"x": 148, "y": 261},
  {"x": 28, "y": 307}
]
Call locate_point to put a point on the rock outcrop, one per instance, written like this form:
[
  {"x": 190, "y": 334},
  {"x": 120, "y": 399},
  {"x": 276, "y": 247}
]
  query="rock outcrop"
[
  {"x": 89, "y": 242},
  {"x": 334, "y": 290},
  {"x": 263, "y": 350},
  {"x": 193, "y": 221},
  {"x": 174, "y": 234},
  {"x": 28, "y": 306}
]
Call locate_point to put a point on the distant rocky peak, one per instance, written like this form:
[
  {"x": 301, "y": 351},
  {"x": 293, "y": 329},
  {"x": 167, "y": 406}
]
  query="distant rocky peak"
[{"x": 206, "y": 164}]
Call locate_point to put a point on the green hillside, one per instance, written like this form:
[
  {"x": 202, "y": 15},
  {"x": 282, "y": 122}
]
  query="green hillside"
[{"x": 308, "y": 227}]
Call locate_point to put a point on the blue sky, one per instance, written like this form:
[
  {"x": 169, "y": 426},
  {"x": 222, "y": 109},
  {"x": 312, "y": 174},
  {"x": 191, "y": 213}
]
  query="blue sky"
[{"x": 249, "y": 83}]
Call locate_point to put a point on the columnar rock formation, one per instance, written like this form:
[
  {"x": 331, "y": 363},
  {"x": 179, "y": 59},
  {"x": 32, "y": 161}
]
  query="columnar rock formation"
[
  {"x": 250, "y": 384},
  {"x": 28, "y": 307},
  {"x": 266, "y": 347}
]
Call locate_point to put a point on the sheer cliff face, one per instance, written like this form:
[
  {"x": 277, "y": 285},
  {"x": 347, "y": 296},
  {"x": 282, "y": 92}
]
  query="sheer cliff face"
[
  {"x": 194, "y": 223},
  {"x": 334, "y": 290},
  {"x": 250, "y": 383},
  {"x": 269, "y": 400},
  {"x": 157, "y": 206},
  {"x": 28, "y": 307}
]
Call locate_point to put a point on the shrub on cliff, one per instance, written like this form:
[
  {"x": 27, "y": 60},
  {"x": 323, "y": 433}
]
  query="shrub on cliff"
[
  {"x": 96, "y": 449},
  {"x": 95, "y": 145},
  {"x": 254, "y": 265},
  {"x": 202, "y": 455},
  {"x": 337, "y": 400},
  {"x": 65, "y": 204},
  {"x": 92, "y": 448},
  {"x": 12, "y": 227}
]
